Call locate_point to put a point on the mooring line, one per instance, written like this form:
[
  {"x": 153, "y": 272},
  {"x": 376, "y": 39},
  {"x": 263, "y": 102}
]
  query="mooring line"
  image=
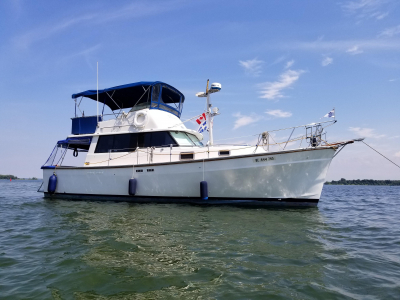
[{"x": 381, "y": 154}]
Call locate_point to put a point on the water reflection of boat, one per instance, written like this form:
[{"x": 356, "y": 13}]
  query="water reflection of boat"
[{"x": 148, "y": 155}]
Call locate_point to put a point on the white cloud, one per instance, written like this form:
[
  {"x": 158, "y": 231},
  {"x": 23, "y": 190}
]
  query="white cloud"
[
  {"x": 366, "y": 9},
  {"x": 355, "y": 5},
  {"x": 327, "y": 61},
  {"x": 134, "y": 10},
  {"x": 366, "y": 132},
  {"x": 243, "y": 120},
  {"x": 343, "y": 45},
  {"x": 379, "y": 15},
  {"x": 397, "y": 154},
  {"x": 279, "y": 113},
  {"x": 278, "y": 60},
  {"x": 354, "y": 50},
  {"x": 289, "y": 64},
  {"x": 272, "y": 90},
  {"x": 41, "y": 33},
  {"x": 252, "y": 67},
  {"x": 389, "y": 32},
  {"x": 85, "y": 52},
  {"x": 394, "y": 79}
]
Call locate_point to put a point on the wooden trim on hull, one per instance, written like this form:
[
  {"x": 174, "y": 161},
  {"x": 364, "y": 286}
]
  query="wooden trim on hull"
[{"x": 255, "y": 202}]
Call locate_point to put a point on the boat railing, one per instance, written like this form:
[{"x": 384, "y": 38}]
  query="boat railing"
[
  {"x": 269, "y": 141},
  {"x": 314, "y": 135}
]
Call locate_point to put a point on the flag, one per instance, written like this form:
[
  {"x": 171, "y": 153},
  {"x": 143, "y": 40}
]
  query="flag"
[
  {"x": 330, "y": 114},
  {"x": 202, "y": 123}
]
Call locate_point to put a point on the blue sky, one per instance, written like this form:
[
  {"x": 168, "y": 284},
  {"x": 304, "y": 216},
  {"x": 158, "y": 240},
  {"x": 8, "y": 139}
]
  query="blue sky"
[{"x": 280, "y": 63}]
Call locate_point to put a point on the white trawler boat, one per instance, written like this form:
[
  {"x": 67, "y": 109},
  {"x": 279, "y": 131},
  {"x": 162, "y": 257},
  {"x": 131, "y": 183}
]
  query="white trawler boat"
[{"x": 146, "y": 154}]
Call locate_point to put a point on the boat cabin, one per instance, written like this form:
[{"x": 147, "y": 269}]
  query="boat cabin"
[{"x": 144, "y": 115}]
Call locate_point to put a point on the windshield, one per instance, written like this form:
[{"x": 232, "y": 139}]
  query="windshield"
[
  {"x": 140, "y": 106},
  {"x": 165, "y": 98},
  {"x": 185, "y": 139},
  {"x": 195, "y": 139}
]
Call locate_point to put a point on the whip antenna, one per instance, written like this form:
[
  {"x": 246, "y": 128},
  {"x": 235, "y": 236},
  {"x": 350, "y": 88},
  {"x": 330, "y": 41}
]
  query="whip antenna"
[{"x": 97, "y": 117}]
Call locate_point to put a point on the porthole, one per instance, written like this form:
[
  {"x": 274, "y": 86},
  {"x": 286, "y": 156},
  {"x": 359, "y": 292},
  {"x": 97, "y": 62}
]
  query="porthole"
[
  {"x": 224, "y": 153},
  {"x": 185, "y": 156}
]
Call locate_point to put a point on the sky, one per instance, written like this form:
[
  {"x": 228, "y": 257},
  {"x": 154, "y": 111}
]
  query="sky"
[{"x": 280, "y": 63}]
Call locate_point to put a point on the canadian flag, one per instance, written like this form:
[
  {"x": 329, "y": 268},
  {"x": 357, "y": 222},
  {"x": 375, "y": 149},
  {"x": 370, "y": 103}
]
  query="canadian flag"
[
  {"x": 201, "y": 119},
  {"x": 202, "y": 123}
]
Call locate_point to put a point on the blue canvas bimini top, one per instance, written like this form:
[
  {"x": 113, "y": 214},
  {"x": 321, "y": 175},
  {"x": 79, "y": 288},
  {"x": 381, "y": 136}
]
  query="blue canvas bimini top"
[
  {"x": 81, "y": 143},
  {"x": 129, "y": 95}
]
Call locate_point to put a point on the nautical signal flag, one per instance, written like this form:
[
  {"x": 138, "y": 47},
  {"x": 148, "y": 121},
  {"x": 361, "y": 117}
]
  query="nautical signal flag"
[
  {"x": 330, "y": 114},
  {"x": 202, "y": 121}
]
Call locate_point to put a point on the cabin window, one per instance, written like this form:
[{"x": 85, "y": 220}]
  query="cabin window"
[
  {"x": 186, "y": 139},
  {"x": 224, "y": 153},
  {"x": 187, "y": 156},
  {"x": 155, "y": 139},
  {"x": 116, "y": 143},
  {"x": 170, "y": 97},
  {"x": 140, "y": 106},
  {"x": 168, "y": 109},
  {"x": 182, "y": 138},
  {"x": 162, "y": 139},
  {"x": 144, "y": 140},
  {"x": 104, "y": 143},
  {"x": 166, "y": 98},
  {"x": 143, "y": 102},
  {"x": 155, "y": 93},
  {"x": 124, "y": 142},
  {"x": 194, "y": 139},
  {"x": 130, "y": 141}
]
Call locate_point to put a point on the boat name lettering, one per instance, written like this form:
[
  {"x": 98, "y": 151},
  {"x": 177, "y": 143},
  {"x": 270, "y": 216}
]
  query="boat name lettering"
[{"x": 264, "y": 159}]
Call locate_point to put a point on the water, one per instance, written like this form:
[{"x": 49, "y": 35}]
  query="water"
[{"x": 348, "y": 247}]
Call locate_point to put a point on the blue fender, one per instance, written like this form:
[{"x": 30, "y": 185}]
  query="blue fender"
[
  {"x": 132, "y": 186},
  {"x": 203, "y": 190},
  {"x": 51, "y": 188}
]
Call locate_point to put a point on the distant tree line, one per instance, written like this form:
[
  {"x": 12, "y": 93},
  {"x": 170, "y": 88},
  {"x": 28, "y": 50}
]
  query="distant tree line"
[
  {"x": 363, "y": 182},
  {"x": 8, "y": 177},
  {"x": 15, "y": 177}
]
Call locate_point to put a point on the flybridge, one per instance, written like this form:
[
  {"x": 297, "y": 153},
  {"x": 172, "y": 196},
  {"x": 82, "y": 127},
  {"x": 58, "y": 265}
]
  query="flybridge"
[{"x": 139, "y": 95}]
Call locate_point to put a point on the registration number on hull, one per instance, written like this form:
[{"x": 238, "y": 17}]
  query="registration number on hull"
[{"x": 264, "y": 159}]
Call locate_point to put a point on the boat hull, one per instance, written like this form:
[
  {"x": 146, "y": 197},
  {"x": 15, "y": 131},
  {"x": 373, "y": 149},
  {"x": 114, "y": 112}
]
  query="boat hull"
[{"x": 287, "y": 178}]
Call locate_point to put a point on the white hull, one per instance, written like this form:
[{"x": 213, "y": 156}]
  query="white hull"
[{"x": 288, "y": 177}]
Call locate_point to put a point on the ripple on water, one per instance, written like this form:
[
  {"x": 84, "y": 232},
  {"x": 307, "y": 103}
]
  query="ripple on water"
[{"x": 349, "y": 247}]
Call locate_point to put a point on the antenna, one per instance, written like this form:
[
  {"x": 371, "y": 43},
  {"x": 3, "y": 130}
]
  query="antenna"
[{"x": 97, "y": 117}]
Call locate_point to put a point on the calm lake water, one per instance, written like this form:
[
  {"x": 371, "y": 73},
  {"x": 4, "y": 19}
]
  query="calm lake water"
[{"x": 347, "y": 248}]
